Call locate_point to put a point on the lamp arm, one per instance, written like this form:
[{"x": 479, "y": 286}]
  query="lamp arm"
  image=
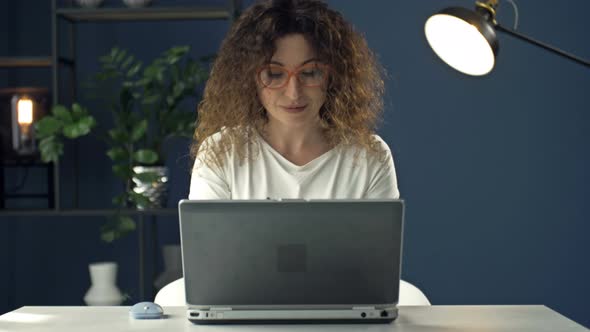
[{"x": 543, "y": 45}]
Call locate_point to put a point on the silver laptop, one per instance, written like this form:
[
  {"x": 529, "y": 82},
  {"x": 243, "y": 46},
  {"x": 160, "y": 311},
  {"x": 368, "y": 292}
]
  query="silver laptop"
[{"x": 291, "y": 261}]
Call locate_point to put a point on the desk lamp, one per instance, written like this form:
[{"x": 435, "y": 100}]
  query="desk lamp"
[{"x": 466, "y": 40}]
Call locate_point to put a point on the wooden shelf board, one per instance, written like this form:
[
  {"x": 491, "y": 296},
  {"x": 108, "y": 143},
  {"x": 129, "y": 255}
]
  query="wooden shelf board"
[
  {"x": 26, "y": 61},
  {"x": 87, "y": 212},
  {"x": 143, "y": 14}
]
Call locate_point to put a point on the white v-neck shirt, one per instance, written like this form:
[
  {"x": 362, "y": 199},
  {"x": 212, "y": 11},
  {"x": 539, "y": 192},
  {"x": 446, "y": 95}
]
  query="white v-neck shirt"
[{"x": 336, "y": 174}]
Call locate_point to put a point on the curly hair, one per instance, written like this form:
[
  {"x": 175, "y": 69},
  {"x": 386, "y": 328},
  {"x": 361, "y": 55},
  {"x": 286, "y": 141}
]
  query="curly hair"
[{"x": 354, "y": 95}]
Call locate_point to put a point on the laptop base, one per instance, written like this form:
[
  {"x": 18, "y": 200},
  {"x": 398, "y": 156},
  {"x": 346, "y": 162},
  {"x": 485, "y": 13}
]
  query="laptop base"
[
  {"x": 292, "y": 322},
  {"x": 228, "y": 316}
]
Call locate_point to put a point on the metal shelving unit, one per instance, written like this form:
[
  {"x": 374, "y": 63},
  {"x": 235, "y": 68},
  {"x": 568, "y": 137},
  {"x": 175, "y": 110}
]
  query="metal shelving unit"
[{"x": 74, "y": 15}]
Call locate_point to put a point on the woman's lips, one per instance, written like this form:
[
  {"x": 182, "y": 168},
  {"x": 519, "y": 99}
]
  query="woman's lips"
[{"x": 294, "y": 109}]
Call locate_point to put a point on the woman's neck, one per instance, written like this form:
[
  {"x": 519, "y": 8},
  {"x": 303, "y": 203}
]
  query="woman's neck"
[{"x": 297, "y": 144}]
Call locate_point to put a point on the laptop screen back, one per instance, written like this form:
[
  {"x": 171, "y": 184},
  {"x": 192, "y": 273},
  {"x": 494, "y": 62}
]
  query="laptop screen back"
[{"x": 291, "y": 253}]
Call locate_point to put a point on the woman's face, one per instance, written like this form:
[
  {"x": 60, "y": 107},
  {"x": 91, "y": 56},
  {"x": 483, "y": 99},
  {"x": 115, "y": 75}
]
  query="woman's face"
[{"x": 298, "y": 102}]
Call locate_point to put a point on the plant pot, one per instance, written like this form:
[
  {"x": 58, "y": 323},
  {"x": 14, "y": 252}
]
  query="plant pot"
[
  {"x": 103, "y": 289},
  {"x": 172, "y": 266},
  {"x": 137, "y": 3},
  {"x": 155, "y": 189},
  {"x": 89, "y": 3}
]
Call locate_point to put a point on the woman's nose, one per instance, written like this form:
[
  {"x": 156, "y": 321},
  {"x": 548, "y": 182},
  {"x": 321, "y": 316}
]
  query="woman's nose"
[{"x": 293, "y": 88}]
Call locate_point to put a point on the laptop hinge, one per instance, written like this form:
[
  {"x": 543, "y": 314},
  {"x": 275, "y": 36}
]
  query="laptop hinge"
[
  {"x": 220, "y": 308},
  {"x": 363, "y": 308}
]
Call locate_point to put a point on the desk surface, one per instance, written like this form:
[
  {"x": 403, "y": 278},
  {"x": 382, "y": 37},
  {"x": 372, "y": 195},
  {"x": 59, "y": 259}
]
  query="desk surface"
[{"x": 423, "y": 319}]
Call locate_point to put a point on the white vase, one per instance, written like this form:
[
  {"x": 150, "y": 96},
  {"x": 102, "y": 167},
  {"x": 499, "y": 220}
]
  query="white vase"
[
  {"x": 103, "y": 290},
  {"x": 137, "y": 3},
  {"x": 89, "y": 3},
  {"x": 172, "y": 266}
]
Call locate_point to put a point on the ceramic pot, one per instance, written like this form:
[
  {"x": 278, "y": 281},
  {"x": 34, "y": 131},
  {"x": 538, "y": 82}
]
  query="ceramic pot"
[
  {"x": 103, "y": 289},
  {"x": 137, "y": 3},
  {"x": 89, "y": 3},
  {"x": 154, "y": 188}
]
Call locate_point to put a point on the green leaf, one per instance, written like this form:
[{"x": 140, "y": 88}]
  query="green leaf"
[
  {"x": 50, "y": 148},
  {"x": 147, "y": 177},
  {"x": 47, "y": 126},
  {"x": 126, "y": 224},
  {"x": 120, "y": 199},
  {"x": 118, "y": 154},
  {"x": 150, "y": 99},
  {"x": 118, "y": 135},
  {"x": 127, "y": 62},
  {"x": 123, "y": 171},
  {"x": 170, "y": 100},
  {"x": 151, "y": 72},
  {"x": 178, "y": 89},
  {"x": 140, "y": 200},
  {"x": 77, "y": 111},
  {"x": 107, "y": 236},
  {"x": 134, "y": 69},
  {"x": 86, "y": 124},
  {"x": 116, "y": 228},
  {"x": 120, "y": 56},
  {"x": 114, "y": 51},
  {"x": 62, "y": 113},
  {"x": 145, "y": 156},
  {"x": 139, "y": 130},
  {"x": 81, "y": 128}
]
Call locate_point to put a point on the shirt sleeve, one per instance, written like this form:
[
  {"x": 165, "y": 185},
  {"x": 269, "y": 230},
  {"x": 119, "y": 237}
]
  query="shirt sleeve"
[
  {"x": 208, "y": 182},
  {"x": 383, "y": 183}
]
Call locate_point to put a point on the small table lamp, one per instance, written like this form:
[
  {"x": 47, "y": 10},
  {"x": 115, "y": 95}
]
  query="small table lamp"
[{"x": 27, "y": 106}]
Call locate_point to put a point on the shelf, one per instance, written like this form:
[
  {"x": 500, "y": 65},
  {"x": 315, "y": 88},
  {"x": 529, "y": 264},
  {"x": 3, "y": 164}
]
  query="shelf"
[
  {"x": 143, "y": 14},
  {"x": 31, "y": 61},
  {"x": 87, "y": 212}
]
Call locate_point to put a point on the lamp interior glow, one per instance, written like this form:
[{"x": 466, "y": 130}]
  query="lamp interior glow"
[
  {"x": 459, "y": 44},
  {"x": 24, "y": 112}
]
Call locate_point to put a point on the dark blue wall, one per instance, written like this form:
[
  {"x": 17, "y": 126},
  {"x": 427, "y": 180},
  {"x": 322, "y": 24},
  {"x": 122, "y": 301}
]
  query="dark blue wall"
[{"x": 494, "y": 170}]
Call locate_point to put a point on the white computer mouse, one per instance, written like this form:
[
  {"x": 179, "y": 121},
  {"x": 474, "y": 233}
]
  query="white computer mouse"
[{"x": 146, "y": 310}]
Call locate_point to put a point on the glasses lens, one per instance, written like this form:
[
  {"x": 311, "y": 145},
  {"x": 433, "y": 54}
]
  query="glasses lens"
[
  {"x": 273, "y": 76},
  {"x": 312, "y": 75}
]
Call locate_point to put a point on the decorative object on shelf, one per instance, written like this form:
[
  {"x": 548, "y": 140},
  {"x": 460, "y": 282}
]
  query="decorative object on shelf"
[
  {"x": 172, "y": 266},
  {"x": 151, "y": 182},
  {"x": 103, "y": 290},
  {"x": 148, "y": 104},
  {"x": 25, "y": 106},
  {"x": 137, "y": 3},
  {"x": 89, "y": 3}
]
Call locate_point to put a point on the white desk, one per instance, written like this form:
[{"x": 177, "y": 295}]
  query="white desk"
[{"x": 414, "y": 319}]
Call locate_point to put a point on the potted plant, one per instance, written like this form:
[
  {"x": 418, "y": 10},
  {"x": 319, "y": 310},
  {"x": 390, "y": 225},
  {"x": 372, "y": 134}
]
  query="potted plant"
[{"x": 147, "y": 108}]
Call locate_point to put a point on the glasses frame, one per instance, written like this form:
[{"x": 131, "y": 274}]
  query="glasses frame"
[{"x": 294, "y": 72}]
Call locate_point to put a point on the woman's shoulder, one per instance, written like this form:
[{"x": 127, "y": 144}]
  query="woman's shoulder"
[
  {"x": 376, "y": 145},
  {"x": 226, "y": 135},
  {"x": 374, "y": 155},
  {"x": 380, "y": 142}
]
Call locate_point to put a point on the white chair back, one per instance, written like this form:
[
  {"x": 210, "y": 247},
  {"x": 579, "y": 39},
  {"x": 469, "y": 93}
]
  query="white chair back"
[{"x": 173, "y": 294}]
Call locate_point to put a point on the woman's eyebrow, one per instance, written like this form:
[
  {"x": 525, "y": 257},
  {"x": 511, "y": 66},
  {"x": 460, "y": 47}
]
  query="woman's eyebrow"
[{"x": 274, "y": 62}]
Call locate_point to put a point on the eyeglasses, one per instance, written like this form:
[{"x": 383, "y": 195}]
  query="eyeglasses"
[{"x": 276, "y": 77}]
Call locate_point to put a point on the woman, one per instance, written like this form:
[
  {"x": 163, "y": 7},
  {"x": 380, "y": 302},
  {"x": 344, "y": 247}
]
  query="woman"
[{"x": 290, "y": 110}]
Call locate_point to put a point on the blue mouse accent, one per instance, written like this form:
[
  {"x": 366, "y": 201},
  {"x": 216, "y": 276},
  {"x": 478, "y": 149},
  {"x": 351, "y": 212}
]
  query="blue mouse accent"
[{"x": 146, "y": 310}]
